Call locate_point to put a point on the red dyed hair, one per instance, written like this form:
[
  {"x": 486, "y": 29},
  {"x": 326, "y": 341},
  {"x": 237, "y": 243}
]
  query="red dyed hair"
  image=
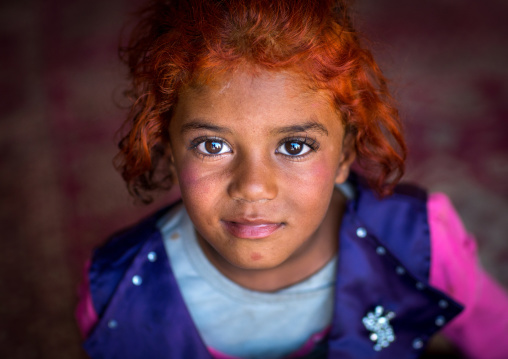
[{"x": 177, "y": 40}]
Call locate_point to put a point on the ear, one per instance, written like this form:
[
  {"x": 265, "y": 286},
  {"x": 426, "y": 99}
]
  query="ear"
[
  {"x": 172, "y": 169},
  {"x": 347, "y": 158}
]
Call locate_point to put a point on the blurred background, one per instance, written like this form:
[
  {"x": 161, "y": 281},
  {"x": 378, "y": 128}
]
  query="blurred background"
[{"x": 60, "y": 107}]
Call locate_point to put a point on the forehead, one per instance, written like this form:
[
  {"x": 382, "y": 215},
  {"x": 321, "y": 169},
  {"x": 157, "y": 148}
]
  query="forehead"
[{"x": 280, "y": 94}]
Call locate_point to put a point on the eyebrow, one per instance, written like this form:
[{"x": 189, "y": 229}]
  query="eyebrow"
[
  {"x": 311, "y": 125},
  {"x": 303, "y": 127},
  {"x": 199, "y": 124}
]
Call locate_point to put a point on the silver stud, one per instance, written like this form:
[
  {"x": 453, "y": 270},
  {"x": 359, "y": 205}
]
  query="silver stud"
[
  {"x": 361, "y": 232},
  {"x": 443, "y": 304},
  {"x": 440, "y": 321},
  {"x": 112, "y": 324},
  {"x": 137, "y": 280},
  {"x": 400, "y": 270},
  {"x": 417, "y": 343},
  {"x": 420, "y": 286},
  {"x": 381, "y": 250},
  {"x": 152, "y": 256},
  {"x": 175, "y": 236}
]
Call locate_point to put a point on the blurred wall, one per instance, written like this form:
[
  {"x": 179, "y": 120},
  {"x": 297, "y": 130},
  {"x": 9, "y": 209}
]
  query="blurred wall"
[{"x": 61, "y": 84}]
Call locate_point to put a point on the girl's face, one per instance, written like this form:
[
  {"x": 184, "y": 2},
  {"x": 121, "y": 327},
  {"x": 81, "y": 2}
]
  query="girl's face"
[{"x": 257, "y": 158}]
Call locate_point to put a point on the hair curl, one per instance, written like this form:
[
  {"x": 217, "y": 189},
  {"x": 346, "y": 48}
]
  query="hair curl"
[{"x": 175, "y": 40}]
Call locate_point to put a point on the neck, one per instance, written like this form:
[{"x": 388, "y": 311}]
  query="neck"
[{"x": 318, "y": 250}]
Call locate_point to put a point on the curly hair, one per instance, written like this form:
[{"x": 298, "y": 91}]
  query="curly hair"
[{"x": 177, "y": 41}]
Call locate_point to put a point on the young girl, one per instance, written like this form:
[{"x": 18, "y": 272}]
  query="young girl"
[{"x": 256, "y": 110}]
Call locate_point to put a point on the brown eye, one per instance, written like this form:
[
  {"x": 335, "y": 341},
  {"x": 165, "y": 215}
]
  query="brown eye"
[
  {"x": 213, "y": 147},
  {"x": 293, "y": 148}
]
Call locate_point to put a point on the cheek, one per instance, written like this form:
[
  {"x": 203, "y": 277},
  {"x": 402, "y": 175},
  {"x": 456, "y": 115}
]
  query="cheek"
[
  {"x": 189, "y": 175},
  {"x": 318, "y": 175},
  {"x": 312, "y": 186},
  {"x": 194, "y": 184},
  {"x": 322, "y": 172}
]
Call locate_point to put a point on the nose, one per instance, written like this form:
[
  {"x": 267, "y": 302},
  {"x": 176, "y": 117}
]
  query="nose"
[{"x": 253, "y": 180}]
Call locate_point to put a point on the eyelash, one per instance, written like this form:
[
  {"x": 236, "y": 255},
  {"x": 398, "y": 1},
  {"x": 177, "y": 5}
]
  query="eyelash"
[{"x": 307, "y": 141}]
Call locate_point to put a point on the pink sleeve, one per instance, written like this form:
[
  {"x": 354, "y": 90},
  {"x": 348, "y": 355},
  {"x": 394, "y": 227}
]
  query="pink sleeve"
[
  {"x": 85, "y": 312},
  {"x": 481, "y": 330}
]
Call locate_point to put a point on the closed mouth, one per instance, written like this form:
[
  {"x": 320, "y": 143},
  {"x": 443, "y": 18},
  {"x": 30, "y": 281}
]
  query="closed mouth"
[{"x": 251, "y": 229}]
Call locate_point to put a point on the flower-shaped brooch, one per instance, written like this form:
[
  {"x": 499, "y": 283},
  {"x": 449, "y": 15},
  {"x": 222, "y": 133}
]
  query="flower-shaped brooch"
[{"x": 378, "y": 323}]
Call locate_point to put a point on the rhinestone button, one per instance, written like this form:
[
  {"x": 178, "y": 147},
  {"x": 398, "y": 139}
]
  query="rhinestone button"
[
  {"x": 440, "y": 321},
  {"x": 417, "y": 343},
  {"x": 400, "y": 270},
  {"x": 137, "y": 280},
  {"x": 361, "y": 232},
  {"x": 443, "y": 304},
  {"x": 112, "y": 324},
  {"x": 420, "y": 286},
  {"x": 381, "y": 250},
  {"x": 152, "y": 256}
]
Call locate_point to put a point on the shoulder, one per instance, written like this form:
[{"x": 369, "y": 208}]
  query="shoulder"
[
  {"x": 406, "y": 201},
  {"x": 123, "y": 244},
  {"x": 111, "y": 260},
  {"x": 453, "y": 250},
  {"x": 445, "y": 221},
  {"x": 397, "y": 216},
  {"x": 399, "y": 221},
  {"x": 456, "y": 270}
]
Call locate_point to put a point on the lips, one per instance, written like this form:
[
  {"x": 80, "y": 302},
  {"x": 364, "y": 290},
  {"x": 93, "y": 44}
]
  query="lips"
[{"x": 251, "y": 229}]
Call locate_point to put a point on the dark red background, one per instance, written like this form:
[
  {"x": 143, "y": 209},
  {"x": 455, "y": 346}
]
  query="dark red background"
[{"x": 60, "y": 87}]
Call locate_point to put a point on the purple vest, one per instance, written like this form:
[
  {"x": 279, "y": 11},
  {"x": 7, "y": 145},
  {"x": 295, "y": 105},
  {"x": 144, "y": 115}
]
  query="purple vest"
[{"x": 384, "y": 261}]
